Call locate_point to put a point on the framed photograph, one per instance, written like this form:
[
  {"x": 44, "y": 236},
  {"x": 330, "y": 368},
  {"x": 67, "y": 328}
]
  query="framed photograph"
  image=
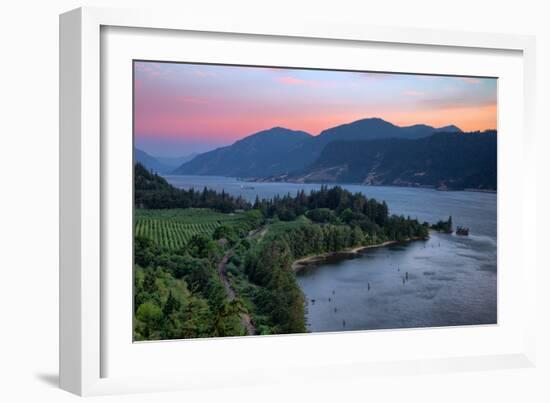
[{"x": 255, "y": 202}]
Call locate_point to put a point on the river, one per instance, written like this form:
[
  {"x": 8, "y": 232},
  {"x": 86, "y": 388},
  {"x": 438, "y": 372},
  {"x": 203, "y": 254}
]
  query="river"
[{"x": 445, "y": 281}]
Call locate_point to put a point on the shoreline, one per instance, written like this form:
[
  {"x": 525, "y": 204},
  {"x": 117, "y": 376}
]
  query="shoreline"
[
  {"x": 314, "y": 260},
  {"x": 262, "y": 180},
  {"x": 411, "y": 186}
]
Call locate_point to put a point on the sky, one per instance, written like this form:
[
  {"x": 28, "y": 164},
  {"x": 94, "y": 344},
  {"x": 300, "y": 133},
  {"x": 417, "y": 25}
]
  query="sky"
[{"x": 181, "y": 108}]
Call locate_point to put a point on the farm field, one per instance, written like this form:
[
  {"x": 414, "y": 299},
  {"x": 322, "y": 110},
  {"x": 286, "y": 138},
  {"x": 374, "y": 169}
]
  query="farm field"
[{"x": 173, "y": 228}]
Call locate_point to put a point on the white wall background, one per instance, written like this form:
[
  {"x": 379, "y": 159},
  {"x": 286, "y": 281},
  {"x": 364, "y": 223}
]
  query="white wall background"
[{"x": 29, "y": 197}]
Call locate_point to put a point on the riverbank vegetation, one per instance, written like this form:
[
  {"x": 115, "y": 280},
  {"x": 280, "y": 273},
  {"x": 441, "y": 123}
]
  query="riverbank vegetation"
[
  {"x": 206, "y": 260},
  {"x": 444, "y": 226}
]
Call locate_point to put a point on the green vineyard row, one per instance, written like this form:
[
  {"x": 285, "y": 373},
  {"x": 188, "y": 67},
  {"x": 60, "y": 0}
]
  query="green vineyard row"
[{"x": 174, "y": 228}]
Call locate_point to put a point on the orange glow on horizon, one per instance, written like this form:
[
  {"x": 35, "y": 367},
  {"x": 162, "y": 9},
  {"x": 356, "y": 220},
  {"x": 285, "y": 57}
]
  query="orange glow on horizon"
[
  {"x": 237, "y": 127},
  {"x": 192, "y": 104},
  {"x": 467, "y": 118}
]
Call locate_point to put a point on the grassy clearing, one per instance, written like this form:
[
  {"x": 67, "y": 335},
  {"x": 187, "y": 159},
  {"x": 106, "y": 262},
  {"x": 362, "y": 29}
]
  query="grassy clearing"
[{"x": 279, "y": 227}]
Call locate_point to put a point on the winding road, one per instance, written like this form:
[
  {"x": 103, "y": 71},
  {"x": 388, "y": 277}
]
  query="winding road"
[{"x": 246, "y": 321}]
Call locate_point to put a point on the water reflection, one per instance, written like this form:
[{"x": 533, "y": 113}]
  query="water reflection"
[{"x": 424, "y": 283}]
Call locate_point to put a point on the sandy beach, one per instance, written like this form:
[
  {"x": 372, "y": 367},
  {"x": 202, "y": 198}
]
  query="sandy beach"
[{"x": 308, "y": 261}]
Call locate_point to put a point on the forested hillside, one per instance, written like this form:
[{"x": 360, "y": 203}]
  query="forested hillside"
[
  {"x": 261, "y": 154},
  {"x": 152, "y": 191},
  {"x": 443, "y": 160}
]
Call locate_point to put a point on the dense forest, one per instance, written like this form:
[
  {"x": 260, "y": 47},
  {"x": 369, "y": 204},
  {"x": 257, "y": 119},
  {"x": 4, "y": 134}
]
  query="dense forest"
[{"x": 238, "y": 279}]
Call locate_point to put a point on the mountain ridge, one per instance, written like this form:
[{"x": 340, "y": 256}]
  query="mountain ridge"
[
  {"x": 262, "y": 153},
  {"x": 283, "y": 156},
  {"x": 446, "y": 161}
]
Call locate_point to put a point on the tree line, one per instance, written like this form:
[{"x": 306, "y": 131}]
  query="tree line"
[
  {"x": 335, "y": 199},
  {"x": 152, "y": 191}
]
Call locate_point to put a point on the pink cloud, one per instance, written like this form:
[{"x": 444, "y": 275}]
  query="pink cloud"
[
  {"x": 469, "y": 80},
  {"x": 150, "y": 70},
  {"x": 191, "y": 102},
  {"x": 291, "y": 81}
]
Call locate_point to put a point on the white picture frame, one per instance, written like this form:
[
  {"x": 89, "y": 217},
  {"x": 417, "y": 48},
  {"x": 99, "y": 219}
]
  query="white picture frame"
[{"x": 86, "y": 346}]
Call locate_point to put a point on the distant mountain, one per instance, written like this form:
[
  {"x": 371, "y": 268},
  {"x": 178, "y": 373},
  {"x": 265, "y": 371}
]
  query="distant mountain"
[
  {"x": 442, "y": 160},
  {"x": 376, "y": 128},
  {"x": 448, "y": 129},
  {"x": 175, "y": 162},
  {"x": 364, "y": 129},
  {"x": 280, "y": 151},
  {"x": 150, "y": 162},
  {"x": 260, "y": 154},
  {"x": 161, "y": 165}
]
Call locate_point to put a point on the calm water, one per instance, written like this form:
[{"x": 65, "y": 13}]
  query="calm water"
[{"x": 447, "y": 280}]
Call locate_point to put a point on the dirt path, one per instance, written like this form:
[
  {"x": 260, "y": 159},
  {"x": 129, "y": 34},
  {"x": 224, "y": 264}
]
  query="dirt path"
[
  {"x": 260, "y": 231},
  {"x": 246, "y": 321}
]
